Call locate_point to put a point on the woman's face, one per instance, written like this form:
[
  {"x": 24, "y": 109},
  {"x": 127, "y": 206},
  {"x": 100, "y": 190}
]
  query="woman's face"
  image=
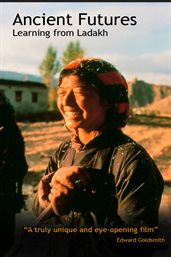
[{"x": 80, "y": 104}]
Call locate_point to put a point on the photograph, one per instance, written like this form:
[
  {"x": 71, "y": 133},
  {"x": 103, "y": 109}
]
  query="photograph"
[{"x": 85, "y": 125}]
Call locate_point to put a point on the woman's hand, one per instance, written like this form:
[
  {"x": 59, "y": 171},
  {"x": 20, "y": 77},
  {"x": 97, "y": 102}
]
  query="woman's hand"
[
  {"x": 64, "y": 183},
  {"x": 72, "y": 177},
  {"x": 44, "y": 190}
]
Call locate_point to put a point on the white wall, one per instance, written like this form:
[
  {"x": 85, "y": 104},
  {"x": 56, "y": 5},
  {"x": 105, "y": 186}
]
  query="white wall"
[{"x": 26, "y": 105}]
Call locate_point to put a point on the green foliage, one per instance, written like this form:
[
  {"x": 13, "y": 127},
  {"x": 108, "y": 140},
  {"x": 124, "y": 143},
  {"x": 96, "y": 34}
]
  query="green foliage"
[
  {"x": 49, "y": 66},
  {"x": 153, "y": 114},
  {"x": 52, "y": 98},
  {"x": 72, "y": 52},
  {"x": 163, "y": 93},
  {"x": 142, "y": 94}
]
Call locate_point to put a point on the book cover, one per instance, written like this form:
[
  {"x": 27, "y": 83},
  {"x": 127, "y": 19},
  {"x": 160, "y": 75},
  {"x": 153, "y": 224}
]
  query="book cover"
[{"x": 134, "y": 37}]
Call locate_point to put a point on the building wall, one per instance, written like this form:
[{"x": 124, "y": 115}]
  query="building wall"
[{"x": 26, "y": 105}]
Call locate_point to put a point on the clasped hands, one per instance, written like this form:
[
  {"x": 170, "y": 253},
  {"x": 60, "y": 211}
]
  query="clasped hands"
[{"x": 58, "y": 188}]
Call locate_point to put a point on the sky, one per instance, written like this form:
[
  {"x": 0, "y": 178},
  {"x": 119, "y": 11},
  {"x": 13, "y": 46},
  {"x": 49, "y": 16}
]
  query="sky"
[{"x": 142, "y": 51}]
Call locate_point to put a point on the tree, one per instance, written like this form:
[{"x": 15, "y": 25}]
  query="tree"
[
  {"x": 72, "y": 52},
  {"x": 142, "y": 93},
  {"x": 48, "y": 68}
]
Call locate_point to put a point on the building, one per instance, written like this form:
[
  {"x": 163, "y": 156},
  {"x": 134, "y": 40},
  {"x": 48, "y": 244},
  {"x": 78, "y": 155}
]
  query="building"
[{"x": 26, "y": 93}]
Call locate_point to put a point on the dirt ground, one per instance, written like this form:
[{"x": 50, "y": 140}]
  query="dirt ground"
[{"x": 42, "y": 138}]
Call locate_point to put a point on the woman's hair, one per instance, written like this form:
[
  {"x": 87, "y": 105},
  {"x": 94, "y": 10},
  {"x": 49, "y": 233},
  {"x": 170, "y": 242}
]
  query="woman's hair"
[{"x": 108, "y": 80}]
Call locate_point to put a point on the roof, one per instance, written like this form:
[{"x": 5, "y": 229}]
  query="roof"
[
  {"x": 20, "y": 79},
  {"x": 22, "y": 83},
  {"x": 16, "y": 76}
]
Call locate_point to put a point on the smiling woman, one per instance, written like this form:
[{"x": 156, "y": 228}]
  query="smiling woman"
[
  {"x": 76, "y": 101},
  {"x": 100, "y": 177}
]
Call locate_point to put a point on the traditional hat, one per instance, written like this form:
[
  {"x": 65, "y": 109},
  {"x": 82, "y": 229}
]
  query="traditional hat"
[{"x": 110, "y": 82}]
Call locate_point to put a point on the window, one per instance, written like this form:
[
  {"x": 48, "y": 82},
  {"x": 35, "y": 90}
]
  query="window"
[
  {"x": 34, "y": 97},
  {"x": 18, "y": 96}
]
